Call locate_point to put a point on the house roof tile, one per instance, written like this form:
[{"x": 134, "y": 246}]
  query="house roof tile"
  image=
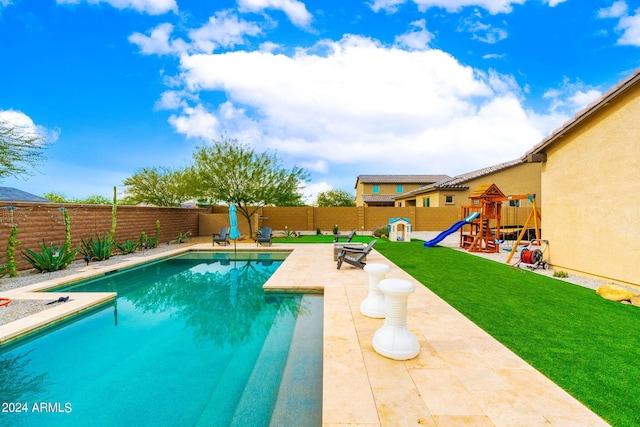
[
  {"x": 458, "y": 182},
  {"x": 377, "y": 198},
  {"x": 401, "y": 179}
]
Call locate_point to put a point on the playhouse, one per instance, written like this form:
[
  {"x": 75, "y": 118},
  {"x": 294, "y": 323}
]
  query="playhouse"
[{"x": 399, "y": 230}]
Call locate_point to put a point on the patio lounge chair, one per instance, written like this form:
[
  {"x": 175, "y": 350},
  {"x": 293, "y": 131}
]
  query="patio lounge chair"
[
  {"x": 223, "y": 236},
  {"x": 349, "y": 236},
  {"x": 354, "y": 256},
  {"x": 264, "y": 236}
]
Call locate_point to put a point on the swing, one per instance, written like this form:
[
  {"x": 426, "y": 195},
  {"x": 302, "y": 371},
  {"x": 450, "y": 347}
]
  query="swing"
[{"x": 513, "y": 209}]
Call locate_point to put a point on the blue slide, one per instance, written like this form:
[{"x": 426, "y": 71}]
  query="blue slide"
[{"x": 455, "y": 227}]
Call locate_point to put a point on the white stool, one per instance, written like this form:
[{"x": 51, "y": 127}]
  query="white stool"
[
  {"x": 393, "y": 339},
  {"x": 373, "y": 305}
]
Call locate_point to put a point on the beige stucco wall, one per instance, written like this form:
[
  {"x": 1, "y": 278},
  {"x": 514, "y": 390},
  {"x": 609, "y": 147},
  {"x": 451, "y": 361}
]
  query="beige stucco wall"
[
  {"x": 591, "y": 184},
  {"x": 383, "y": 189}
]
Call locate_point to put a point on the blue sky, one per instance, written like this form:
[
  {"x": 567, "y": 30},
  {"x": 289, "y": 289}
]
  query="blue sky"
[{"x": 340, "y": 88}]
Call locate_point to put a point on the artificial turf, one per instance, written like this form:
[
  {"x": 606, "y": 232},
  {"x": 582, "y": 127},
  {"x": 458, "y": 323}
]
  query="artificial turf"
[
  {"x": 319, "y": 238},
  {"x": 587, "y": 345}
]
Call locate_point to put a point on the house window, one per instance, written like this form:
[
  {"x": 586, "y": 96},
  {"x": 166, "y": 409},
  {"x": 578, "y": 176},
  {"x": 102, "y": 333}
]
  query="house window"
[
  {"x": 448, "y": 200},
  {"x": 514, "y": 203},
  {"x": 426, "y": 202},
  {"x": 376, "y": 189},
  {"x": 398, "y": 188}
]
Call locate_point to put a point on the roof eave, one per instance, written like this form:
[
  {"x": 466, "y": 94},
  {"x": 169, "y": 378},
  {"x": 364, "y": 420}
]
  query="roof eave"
[{"x": 531, "y": 156}]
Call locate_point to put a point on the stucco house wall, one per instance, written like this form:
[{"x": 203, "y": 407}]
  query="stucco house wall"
[
  {"x": 591, "y": 183},
  {"x": 389, "y": 186}
]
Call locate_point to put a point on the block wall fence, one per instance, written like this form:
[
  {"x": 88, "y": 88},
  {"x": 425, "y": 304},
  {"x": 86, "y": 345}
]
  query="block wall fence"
[
  {"x": 308, "y": 219},
  {"x": 38, "y": 222}
]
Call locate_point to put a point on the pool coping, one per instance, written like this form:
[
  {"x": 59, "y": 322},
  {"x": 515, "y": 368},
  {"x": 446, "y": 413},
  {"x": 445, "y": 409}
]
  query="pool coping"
[{"x": 462, "y": 375}]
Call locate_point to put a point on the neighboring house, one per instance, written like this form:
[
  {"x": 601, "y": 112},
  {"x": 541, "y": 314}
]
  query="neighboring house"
[
  {"x": 515, "y": 177},
  {"x": 9, "y": 194},
  {"x": 590, "y": 182},
  {"x": 379, "y": 190}
]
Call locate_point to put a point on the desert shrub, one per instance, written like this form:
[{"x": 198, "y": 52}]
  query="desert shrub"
[
  {"x": 183, "y": 237},
  {"x": 381, "y": 232},
  {"x": 127, "y": 247},
  {"x": 49, "y": 258},
  {"x": 290, "y": 233},
  {"x": 97, "y": 249}
]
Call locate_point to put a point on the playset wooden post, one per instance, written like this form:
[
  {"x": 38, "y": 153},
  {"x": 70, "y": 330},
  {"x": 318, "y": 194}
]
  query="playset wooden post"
[
  {"x": 482, "y": 234},
  {"x": 479, "y": 235}
]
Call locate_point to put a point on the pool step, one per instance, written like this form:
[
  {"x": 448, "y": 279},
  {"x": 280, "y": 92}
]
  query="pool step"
[
  {"x": 259, "y": 397},
  {"x": 299, "y": 400},
  {"x": 222, "y": 403}
]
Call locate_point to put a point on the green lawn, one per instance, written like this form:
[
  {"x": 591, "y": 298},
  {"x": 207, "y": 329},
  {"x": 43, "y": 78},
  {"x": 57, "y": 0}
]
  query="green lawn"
[
  {"x": 323, "y": 238},
  {"x": 587, "y": 345}
]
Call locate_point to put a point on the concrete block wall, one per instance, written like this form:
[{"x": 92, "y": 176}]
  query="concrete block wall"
[{"x": 44, "y": 222}]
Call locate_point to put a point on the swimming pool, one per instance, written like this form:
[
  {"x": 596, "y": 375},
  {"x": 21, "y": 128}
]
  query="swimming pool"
[{"x": 191, "y": 340}]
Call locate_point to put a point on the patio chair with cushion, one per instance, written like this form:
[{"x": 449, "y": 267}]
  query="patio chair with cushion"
[
  {"x": 355, "y": 256},
  {"x": 222, "y": 238},
  {"x": 349, "y": 236},
  {"x": 263, "y": 237}
]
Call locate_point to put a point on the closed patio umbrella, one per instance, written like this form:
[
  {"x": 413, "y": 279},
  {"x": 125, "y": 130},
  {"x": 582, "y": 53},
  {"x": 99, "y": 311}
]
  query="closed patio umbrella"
[{"x": 233, "y": 222}]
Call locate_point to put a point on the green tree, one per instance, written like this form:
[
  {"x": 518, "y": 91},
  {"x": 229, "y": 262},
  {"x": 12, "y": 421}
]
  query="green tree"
[
  {"x": 235, "y": 173},
  {"x": 158, "y": 186},
  {"x": 57, "y": 197},
  {"x": 21, "y": 149},
  {"x": 94, "y": 199},
  {"x": 335, "y": 198}
]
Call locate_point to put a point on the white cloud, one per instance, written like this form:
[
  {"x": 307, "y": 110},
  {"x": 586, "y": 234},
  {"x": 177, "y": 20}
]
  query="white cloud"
[
  {"x": 296, "y": 11},
  {"x": 316, "y": 166},
  {"x": 630, "y": 27},
  {"x": 492, "y": 6},
  {"x": 554, "y": 3},
  {"x": 581, "y": 99},
  {"x": 570, "y": 97},
  {"x": 171, "y": 100},
  {"x": 362, "y": 103},
  {"x": 27, "y": 126},
  {"x": 616, "y": 10},
  {"x": 158, "y": 42},
  {"x": 152, "y": 7},
  {"x": 196, "y": 123},
  {"x": 484, "y": 32},
  {"x": 390, "y": 6},
  {"x": 417, "y": 38},
  {"x": 224, "y": 29},
  {"x": 311, "y": 190}
]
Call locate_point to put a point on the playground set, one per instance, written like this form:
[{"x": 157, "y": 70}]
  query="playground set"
[{"x": 480, "y": 230}]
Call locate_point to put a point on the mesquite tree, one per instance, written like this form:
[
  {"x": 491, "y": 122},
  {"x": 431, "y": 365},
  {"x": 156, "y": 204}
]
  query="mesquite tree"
[{"x": 236, "y": 173}]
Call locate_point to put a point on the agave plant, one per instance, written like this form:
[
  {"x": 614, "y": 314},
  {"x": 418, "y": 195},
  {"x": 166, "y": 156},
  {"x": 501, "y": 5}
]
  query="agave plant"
[
  {"x": 49, "y": 258},
  {"x": 97, "y": 249},
  {"x": 128, "y": 247}
]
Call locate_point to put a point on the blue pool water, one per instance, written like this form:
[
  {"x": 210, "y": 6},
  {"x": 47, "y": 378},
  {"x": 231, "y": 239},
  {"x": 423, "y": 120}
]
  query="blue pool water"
[{"x": 192, "y": 340}]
